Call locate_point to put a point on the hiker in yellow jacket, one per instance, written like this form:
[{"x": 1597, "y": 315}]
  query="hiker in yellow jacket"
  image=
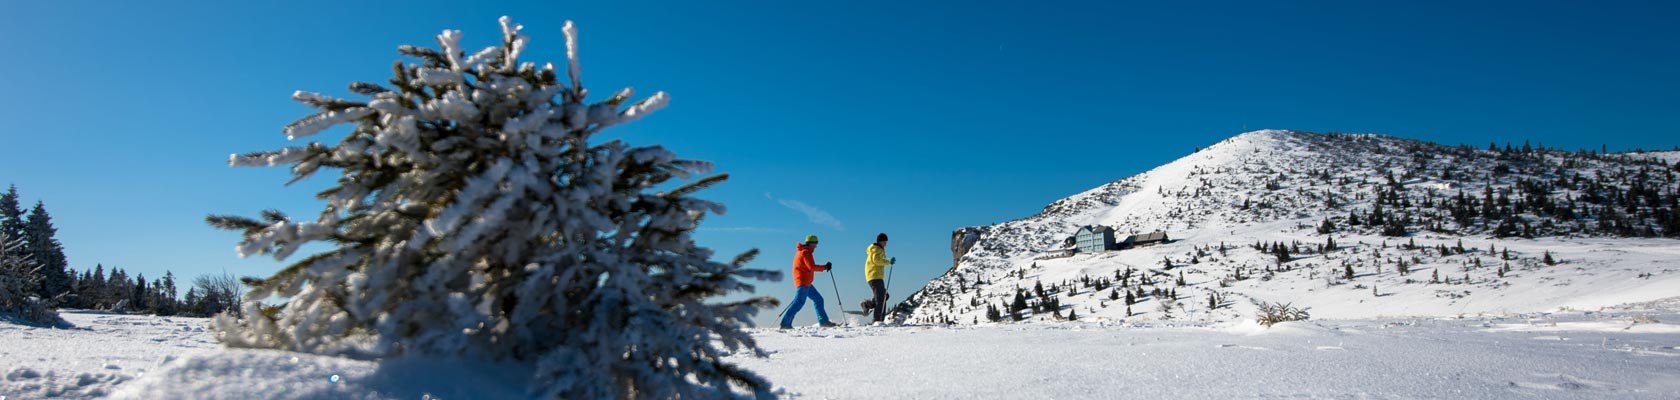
[{"x": 874, "y": 270}]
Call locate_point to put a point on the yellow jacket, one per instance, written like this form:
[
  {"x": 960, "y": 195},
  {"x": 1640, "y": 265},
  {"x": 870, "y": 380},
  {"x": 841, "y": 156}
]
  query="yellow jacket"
[{"x": 875, "y": 267}]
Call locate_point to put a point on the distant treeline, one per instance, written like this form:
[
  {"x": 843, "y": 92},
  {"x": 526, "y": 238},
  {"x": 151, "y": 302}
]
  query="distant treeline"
[{"x": 34, "y": 272}]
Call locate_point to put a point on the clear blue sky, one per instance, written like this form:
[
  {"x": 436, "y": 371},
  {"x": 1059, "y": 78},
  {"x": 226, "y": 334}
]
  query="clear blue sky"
[{"x": 906, "y": 119}]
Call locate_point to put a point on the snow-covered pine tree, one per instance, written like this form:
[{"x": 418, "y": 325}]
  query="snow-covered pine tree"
[
  {"x": 49, "y": 255},
  {"x": 138, "y": 296},
  {"x": 170, "y": 305},
  {"x": 19, "y": 279},
  {"x": 474, "y": 217},
  {"x": 11, "y": 218}
]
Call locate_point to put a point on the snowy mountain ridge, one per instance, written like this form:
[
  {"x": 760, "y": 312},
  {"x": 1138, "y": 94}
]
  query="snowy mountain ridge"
[{"x": 1283, "y": 216}]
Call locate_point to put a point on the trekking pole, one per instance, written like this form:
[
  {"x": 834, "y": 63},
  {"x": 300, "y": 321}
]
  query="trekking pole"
[
  {"x": 888, "y": 289},
  {"x": 784, "y": 309},
  {"x": 837, "y": 301},
  {"x": 889, "y": 277}
]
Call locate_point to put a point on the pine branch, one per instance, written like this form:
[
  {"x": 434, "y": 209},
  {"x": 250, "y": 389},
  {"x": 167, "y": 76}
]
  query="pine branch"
[
  {"x": 233, "y": 223},
  {"x": 368, "y": 89},
  {"x": 744, "y": 258},
  {"x": 274, "y": 216},
  {"x": 698, "y": 185},
  {"x": 433, "y": 58}
]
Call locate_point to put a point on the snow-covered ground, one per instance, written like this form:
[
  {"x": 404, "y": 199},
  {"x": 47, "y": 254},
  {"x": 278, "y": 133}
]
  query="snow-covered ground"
[
  {"x": 101, "y": 352},
  {"x": 1621, "y": 352},
  {"x": 1585, "y": 355}
]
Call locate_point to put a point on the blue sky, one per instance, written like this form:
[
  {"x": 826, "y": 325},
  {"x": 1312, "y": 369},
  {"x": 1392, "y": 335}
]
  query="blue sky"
[{"x": 910, "y": 119}]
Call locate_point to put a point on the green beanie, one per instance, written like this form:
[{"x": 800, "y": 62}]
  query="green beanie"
[{"x": 810, "y": 238}]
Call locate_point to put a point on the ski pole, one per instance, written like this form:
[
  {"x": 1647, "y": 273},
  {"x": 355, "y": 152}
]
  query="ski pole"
[
  {"x": 889, "y": 277},
  {"x": 784, "y": 310},
  {"x": 890, "y": 269},
  {"x": 837, "y": 301}
]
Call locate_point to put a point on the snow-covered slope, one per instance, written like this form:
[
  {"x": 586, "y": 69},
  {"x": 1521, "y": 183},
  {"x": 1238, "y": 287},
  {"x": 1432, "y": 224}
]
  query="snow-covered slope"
[{"x": 1470, "y": 227}]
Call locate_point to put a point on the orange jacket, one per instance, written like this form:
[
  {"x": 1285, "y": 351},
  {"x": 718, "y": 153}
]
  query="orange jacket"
[{"x": 804, "y": 265}]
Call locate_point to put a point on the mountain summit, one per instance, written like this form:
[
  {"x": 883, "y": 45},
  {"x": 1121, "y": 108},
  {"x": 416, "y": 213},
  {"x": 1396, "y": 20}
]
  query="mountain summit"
[{"x": 1347, "y": 225}]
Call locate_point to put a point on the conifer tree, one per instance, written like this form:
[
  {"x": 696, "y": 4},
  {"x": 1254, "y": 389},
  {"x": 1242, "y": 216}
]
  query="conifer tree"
[
  {"x": 168, "y": 304},
  {"x": 48, "y": 254},
  {"x": 19, "y": 278},
  {"x": 137, "y": 298},
  {"x": 94, "y": 294},
  {"x": 477, "y": 214},
  {"x": 12, "y": 221}
]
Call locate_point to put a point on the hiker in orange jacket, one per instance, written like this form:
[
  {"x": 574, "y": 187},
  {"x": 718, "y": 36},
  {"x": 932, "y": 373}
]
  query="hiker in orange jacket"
[{"x": 804, "y": 269}]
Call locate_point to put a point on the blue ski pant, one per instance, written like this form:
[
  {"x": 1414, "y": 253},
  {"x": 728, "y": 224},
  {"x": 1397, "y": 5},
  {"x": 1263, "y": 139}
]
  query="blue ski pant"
[{"x": 804, "y": 292}]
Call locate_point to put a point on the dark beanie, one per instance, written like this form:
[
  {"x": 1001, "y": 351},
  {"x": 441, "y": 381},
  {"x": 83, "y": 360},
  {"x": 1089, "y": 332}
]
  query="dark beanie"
[{"x": 880, "y": 237}]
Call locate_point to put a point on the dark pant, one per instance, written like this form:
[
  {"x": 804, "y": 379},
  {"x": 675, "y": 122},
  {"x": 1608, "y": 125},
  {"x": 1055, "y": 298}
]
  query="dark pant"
[{"x": 880, "y": 289}]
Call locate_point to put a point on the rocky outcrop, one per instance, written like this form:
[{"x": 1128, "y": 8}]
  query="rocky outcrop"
[{"x": 962, "y": 240}]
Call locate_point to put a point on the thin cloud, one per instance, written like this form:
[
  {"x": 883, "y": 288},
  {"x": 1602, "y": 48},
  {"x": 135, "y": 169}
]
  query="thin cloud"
[
  {"x": 740, "y": 229},
  {"x": 816, "y": 215}
]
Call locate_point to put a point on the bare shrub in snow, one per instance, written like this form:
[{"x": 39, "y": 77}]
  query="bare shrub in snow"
[
  {"x": 219, "y": 293},
  {"x": 474, "y": 217},
  {"x": 1271, "y": 313}
]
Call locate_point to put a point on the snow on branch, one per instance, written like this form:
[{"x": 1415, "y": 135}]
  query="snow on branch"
[{"x": 473, "y": 217}]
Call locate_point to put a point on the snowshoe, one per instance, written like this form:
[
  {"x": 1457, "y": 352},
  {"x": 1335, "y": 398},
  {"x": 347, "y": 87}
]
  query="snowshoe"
[{"x": 828, "y": 324}]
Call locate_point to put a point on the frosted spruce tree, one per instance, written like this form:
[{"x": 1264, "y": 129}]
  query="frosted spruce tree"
[
  {"x": 473, "y": 217},
  {"x": 20, "y": 277},
  {"x": 48, "y": 254}
]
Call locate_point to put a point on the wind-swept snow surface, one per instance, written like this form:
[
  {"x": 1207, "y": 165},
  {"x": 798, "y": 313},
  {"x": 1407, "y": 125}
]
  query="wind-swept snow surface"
[
  {"x": 1629, "y": 352},
  {"x": 101, "y": 352},
  {"x": 1570, "y": 355}
]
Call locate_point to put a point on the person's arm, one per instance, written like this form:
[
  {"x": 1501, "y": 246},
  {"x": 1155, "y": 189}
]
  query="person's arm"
[
  {"x": 811, "y": 263},
  {"x": 878, "y": 256}
]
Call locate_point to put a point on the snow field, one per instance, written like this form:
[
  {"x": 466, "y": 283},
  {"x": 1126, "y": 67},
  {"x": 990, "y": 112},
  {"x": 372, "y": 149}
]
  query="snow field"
[
  {"x": 1621, "y": 352},
  {"x": 1482, "y": 358},
  {"x": 100, "y": 353}
]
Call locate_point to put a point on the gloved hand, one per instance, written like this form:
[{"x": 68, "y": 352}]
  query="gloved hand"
[
  {"x": 893, "y": 261},
  {"x": 828, "y": 266}
]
